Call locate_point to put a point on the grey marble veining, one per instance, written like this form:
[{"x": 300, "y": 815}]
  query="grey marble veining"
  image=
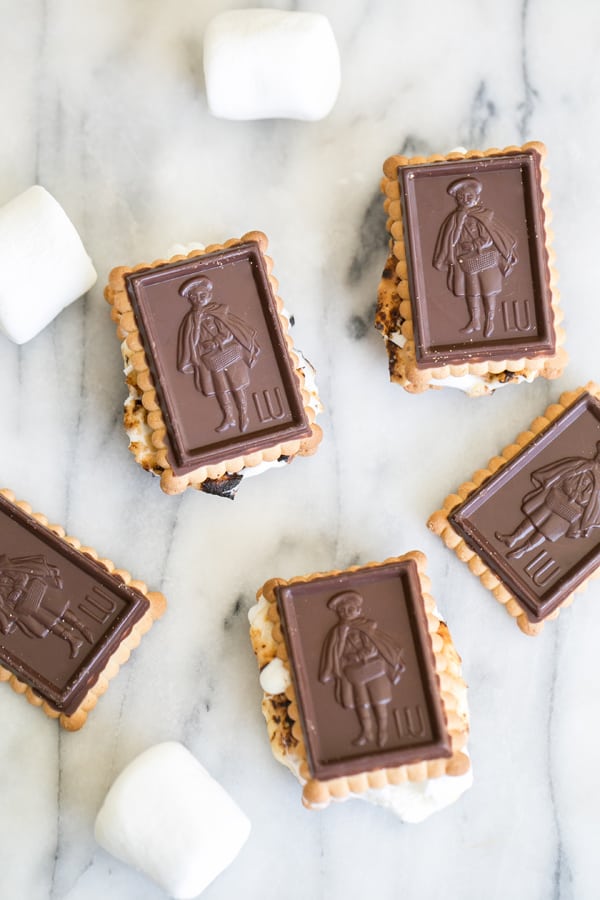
[{"x": 103, "y": 104}]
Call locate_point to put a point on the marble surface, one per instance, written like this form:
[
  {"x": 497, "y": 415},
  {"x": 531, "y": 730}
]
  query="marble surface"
[{"x": 103, "y": 104}]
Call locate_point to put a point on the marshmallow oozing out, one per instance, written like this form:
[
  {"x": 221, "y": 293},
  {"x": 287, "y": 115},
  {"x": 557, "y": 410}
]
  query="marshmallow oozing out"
[
  {"x": 43, "y": 264},
  {"x": 166, "y": 816},
  {"x": 271, "y": 64}
]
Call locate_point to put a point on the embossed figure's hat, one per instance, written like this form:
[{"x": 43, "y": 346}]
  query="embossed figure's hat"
[
  {"x": 457, "y": 186},
  {"x": 345, "y": 597},
  {"x": 200, "y": 285}
]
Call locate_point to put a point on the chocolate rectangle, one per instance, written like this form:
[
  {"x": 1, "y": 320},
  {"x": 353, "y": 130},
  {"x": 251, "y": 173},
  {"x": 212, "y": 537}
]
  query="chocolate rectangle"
[
  {"x": 363, "y": 670},
  {"x": 62, "y": 614},
  {"x": 221, "y": 366},
  {"x": 478, "y": 275},
  {"x": 536, "y": 523}
]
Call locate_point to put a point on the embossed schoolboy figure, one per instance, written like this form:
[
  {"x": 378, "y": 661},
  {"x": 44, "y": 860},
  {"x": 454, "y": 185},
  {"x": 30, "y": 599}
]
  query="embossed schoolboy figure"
[
  {"x": 565, "y": 502},
  {"x": 28, "y": 603},
  {"x": 218, "y": 349},
  {"x": 364, "y": 662},
  {"x": 478, "y": 251}
]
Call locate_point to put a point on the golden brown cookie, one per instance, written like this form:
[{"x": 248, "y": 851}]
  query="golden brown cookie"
[
  {"x": 68, "y": 619},
  {"x": 468, "y": 296},
  {"x": 363, "y": 693},
  {"x": 217, "y": 391},
  {"x": 527, "y": 524}
]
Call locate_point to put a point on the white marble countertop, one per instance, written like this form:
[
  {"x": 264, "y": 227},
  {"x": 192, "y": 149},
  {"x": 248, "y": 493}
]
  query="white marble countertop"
[{"x": 102, "y": 103}]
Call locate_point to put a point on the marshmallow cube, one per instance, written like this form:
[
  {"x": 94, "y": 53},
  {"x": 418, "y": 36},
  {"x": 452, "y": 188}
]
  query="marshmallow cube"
[
  {"x": 271, "y": 64},
  {"x": 43, "y": 264},
  {"x": 166, "y": 816}
]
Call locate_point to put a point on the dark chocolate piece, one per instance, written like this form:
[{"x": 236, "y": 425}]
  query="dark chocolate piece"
[
  {"x": 219, "y": 359},
  {"x": 363, "y": 670},
  {"x": 478, "y": 268},
  {"x": 62, "y": 614},
  {"x": 226, "y": 486},
  {"x": 536, "y": 522}
]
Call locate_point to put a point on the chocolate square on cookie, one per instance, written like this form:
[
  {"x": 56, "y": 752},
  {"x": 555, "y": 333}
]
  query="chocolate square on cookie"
[
  {"x": 468, "y": 298},
  {"x": 216, "y": 387},
  {"x": 529, "y": 524},
  {"x": 362, "y": 685},
  {"x": 68, "y": 620}
]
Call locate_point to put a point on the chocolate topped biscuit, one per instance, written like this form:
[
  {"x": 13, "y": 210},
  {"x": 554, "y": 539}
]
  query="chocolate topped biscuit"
[
  {"x": 373, "y": 699},
  {"x": 469, "y": 292},
  {"x": 362, "y": 685},
  {"x": 216, "y": 387},
  {"x": 66, "y": 621},
  {"x": 534, "y": 525},
  {"x": 477, "y": 261},
  {"x": 211, "y": 333}
]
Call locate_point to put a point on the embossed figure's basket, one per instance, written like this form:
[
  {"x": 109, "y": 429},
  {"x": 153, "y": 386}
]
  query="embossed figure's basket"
[
  {"x": 361, "y": 673},
  {"x": 219, "y": 360},
  {"x": 480, "y": 262}
]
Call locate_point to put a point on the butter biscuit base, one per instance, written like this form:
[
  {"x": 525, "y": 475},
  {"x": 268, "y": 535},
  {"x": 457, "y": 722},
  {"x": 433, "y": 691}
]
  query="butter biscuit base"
[
  {"x": 143, "y": 418},
  {"x": 439, "y": 522},
  {"x": 156, "y": 609},
  {"x": 282, "y": 715},
  {"x": 394, "y": 315}
]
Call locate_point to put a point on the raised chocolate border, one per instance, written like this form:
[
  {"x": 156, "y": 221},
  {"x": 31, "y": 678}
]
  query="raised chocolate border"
[
  {"x": 84, "y": 693},
  {"x": 283, "y": 717},
  {"x": 143, "y": 418},
  {"x": 437, "y": 747},
  {"x": 544, "y": 344},
  {"x": 185, "y": 460},
  {"x": 440, "y": 522},
  {"x": 394, "y": 315}
]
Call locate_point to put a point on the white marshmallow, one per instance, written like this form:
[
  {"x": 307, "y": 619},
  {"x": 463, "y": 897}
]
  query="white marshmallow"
[
  {"x": 168, "y": 817},
  {"x": 43, "y": 264},
  {"x": 271, "y": 64},
  {"x": 275, "y": 677},
  {"x": 183, "y": 249}
]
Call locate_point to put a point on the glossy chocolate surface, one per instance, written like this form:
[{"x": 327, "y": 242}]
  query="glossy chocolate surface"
[
  {"x": 62, "y": 614},
  {"x": 363, "y": 670},
  {"x": 219, "y": 360},
  {"x": 536, "y": 523},
  {"x": 477, "y": 261}
]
